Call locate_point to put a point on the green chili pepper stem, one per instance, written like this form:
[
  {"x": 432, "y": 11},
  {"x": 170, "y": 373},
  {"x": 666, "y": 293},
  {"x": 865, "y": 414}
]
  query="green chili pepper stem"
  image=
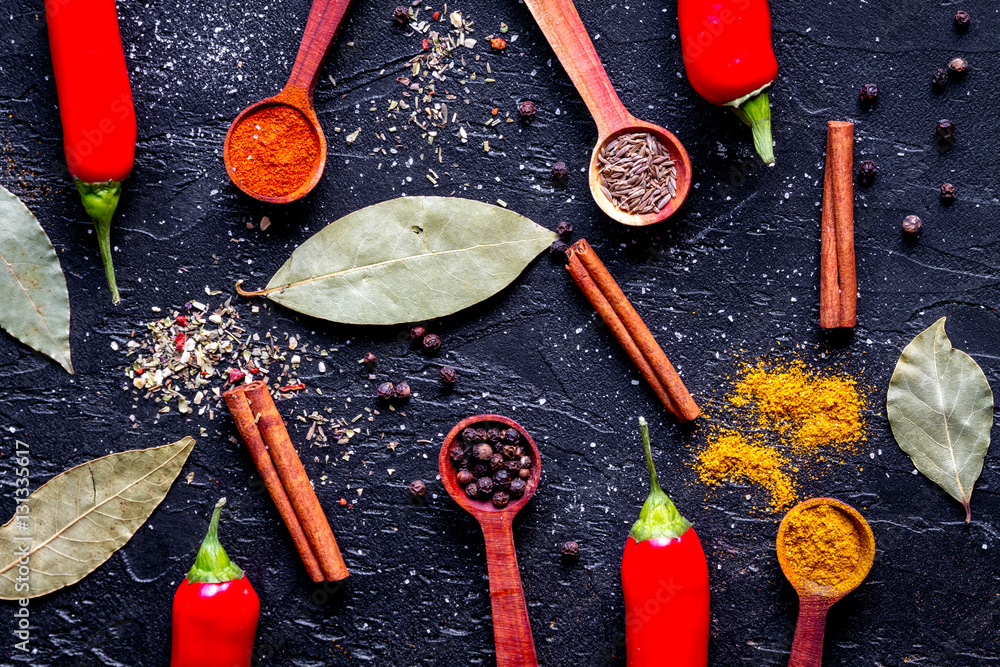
[
  {"x": 756, "y": 113},
  {"x": 212, "y": 565},
  {"x": 100, "y": 200},
  {"x": 659, "y": 517}
]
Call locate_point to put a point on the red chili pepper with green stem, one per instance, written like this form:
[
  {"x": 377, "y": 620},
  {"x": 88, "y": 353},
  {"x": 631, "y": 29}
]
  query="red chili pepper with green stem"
[
  {"x": 215, "y": 609},
  {"x": 95, "y": 105},
  {"x": 730, "y": 60},
  {"x": 665, "y": 581}
]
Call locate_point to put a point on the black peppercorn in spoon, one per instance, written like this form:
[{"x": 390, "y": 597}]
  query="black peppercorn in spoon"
[{"x": 515, "y": 646}]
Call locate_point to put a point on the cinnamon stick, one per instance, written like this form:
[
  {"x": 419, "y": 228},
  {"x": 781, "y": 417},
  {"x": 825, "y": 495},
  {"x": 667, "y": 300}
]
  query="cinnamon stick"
[
  {"x": 829, "y": 280},
  {"x": 239, "y": 408},
  {"x": 596, "y": 283},
  {"x": 296, "y": 482},
  {"x": 840, "y": 161},
  {"x": 607, "y": 313}
]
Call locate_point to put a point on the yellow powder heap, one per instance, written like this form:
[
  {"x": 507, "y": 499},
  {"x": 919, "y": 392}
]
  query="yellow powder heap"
[
  {"x": 823, "y": 545},
  {"x": 731, "y": 457},
  {"x": 782, "y": 406},
  {"x": 810, "y": 411}
]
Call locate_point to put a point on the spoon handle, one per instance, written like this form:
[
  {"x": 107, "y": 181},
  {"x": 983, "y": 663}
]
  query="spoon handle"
[
  {"x": 515, "y": 646},
  {"x": 324, "y": 19},
  {"x": 568, "y": 37},
  {"x": 807, "y": 647}
]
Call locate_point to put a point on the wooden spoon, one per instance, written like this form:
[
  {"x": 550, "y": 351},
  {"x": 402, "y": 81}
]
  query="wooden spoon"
[
  {"x": 815, "y": 600},
  {"x": 568, "y": 37},
  {"x": 324, "y": 20},
  {"x": 515, "y": 646}
]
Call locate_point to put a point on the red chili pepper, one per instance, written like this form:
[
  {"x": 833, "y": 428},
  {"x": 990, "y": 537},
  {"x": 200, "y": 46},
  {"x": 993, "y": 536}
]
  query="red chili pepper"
[
  {"x": 215, "y": 609},
  {"x": 665, "y": 582},
  {"x": 498, "y": 43},
  {"x": 235, "y": 375},
  {"x": 730, "y": 60},
  {"x": 182, "y": 320},
  {"x": 426, "y": 45},
  {"x": 436, "y": 16},
  {"x": 293, "y": 387},
  {"x": 95, "y": 105},
  {"x": 179, "y": 341}
]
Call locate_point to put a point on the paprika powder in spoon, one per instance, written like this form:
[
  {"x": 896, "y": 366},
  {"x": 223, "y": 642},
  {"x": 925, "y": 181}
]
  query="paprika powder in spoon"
[{"x": 665, "y": 582}]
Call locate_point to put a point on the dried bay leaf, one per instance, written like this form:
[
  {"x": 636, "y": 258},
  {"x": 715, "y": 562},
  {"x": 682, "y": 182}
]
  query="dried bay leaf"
[
  {"x": 407, "y": 260},
  {"x": 79, "y": 518},
  {"x": 940, "y": 407},
  {"x": 34, "y": 302}
]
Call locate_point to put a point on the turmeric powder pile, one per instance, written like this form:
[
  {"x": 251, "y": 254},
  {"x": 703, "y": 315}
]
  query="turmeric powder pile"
[
  {"x": 823, "y": 545},
  {"x": 776, "y": 417}
]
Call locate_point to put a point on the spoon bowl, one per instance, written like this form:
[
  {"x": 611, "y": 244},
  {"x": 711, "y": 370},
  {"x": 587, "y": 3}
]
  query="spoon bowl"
[
  {"x": 515, "y": 646},
  {"x": 568, "y": 38},
  {"x": 289, "y": 100},
  {"x": 325, "y": 17},
  {"x": 682, "y": 163},
  {"x": 449, "y": 475},
  {"x": 815, "y": 599}
]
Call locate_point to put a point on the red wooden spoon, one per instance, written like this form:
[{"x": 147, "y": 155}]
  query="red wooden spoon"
[
  {"x": 324, "y": 19},
  {"x": 515, "y": 646},
  {"x": 815, "y": 600},
  {"x": 568, "y": 37}
]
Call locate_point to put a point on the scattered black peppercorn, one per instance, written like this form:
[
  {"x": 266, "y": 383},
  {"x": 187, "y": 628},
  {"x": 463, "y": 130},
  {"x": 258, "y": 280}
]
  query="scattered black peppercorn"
[
  {"x": 485, "y": 485},
  {"x": 368, "y": 359},
  {"x": 962, "y": 20},
  {"x": 570, "y": 549},
  {"x": 403, "y": 391},
  {"x": 456, "y": 453},
  {"x": 501, "y": 499},
  {"x": 482, "y": 451},
  {"x": 386, "y": 391},
  {"x": 401, "y": 15},
  {"x": 912, "y": 225},
  {"x": 448, "y": 375},
  {"x": 493, "y": 435},
  {"x": 560, "y": 171},
  {"x": 502, "y": 479},
  {"x": 417, "y": 334},
  {"x": 866, "y": 172},
  {"x": 517, "y": 487},
  {"x": 940, "y": 78},
  {"x": 869, "y": 94},
  {"x": 465, "y": 477},
  {"x": 432, "y": 342},
  {"x": 944, "y": 134},
  {"x": 527, "y": 109},
  {"x": 564, "y": 229},
  {"x": 418, "y": 488},
  {"x": 496, "y": 461},
  {"x": 947, "y": 193},
  {"x": 558, "y": 250},
  {"x": 472, "y": 490},
  {"x": 958, "y": 66}
]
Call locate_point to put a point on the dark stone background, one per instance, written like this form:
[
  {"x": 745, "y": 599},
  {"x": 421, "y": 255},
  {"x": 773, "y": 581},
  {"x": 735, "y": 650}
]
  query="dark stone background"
[{"x": 730, "y": 278}]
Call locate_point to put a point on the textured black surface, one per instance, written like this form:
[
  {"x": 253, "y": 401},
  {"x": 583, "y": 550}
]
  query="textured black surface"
[{"x": 734, "y": 275}]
